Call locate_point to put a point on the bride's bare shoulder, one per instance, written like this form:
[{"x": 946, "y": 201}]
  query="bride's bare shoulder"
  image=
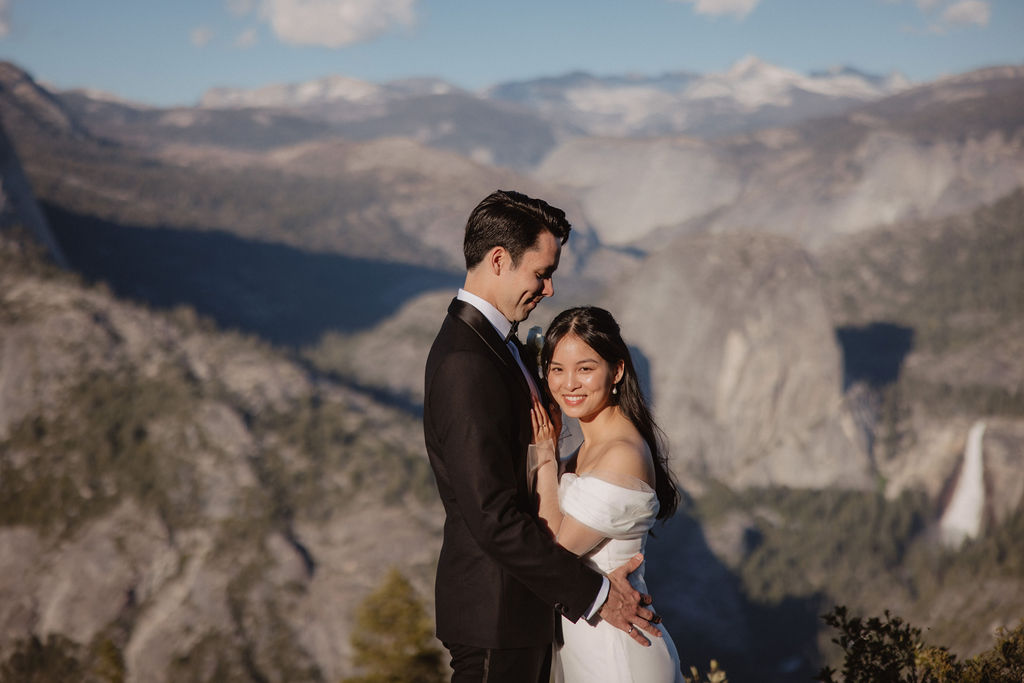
[{"x": 627, "y": 456}]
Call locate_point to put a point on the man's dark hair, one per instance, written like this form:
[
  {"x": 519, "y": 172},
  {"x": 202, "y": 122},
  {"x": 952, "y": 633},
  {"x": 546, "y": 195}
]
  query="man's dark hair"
[{"x": 512, "y": 220}]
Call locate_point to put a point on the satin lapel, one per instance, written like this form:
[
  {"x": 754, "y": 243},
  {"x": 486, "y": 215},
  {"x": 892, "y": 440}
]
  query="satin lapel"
[
  {"x": 479, "y": 323},
  {"x": 531, "y": 367},
  {"x": 529, "y": 359}
]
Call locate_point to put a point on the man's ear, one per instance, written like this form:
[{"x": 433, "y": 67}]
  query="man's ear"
[{"x": 498, "y": 260}]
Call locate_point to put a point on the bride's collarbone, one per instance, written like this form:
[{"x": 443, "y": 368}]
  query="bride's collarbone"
[{"x": 621, "y": 454}]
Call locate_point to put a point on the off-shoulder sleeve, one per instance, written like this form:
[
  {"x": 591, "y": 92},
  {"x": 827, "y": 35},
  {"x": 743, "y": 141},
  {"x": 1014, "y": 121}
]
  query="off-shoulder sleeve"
[{"x": 623, "y": 509}]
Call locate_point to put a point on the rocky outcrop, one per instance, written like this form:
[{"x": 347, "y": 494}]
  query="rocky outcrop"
[
  {"x": 745, "y": 372},
  {"x": 161, "y": 487},
  {"x": 390, "y": 356},
  {"x": 954, "y": 285},
  {"x": 934, "y": 461},
  {"x": 18, "y": 207},
  {"x": 630, "y": 189},
  {"x": 934, "y": 151},
  {"x": 24, "y": 103}
]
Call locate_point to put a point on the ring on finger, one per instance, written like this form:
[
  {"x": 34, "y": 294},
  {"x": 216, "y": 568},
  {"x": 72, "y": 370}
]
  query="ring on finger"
[{"x": 631, "y": 627}]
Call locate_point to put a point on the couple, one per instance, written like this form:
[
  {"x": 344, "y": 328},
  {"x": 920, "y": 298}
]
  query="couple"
[{"x": 511, "y": 560}]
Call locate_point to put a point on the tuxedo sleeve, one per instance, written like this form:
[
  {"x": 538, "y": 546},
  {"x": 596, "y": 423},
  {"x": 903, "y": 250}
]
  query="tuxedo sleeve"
[{"x": 479, "y": 430}]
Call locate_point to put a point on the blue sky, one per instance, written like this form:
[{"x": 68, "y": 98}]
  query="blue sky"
[{"x": 167, "y": 53}]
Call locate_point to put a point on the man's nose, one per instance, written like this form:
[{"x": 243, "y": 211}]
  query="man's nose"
[{"x": 549, "y": 287}]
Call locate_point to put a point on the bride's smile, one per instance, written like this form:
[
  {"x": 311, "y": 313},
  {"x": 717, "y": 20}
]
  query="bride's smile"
[{"x": 580, "y": 379}]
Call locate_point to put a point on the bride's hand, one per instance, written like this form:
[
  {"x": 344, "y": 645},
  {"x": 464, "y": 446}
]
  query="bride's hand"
[
  {"x": 556, "y": 420},
  {"x": 542, "y": 449},
  {"x": 545, "y": 428}
]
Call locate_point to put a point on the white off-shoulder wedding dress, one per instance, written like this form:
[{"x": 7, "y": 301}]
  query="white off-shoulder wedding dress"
[{"x": 622, "y": 510}]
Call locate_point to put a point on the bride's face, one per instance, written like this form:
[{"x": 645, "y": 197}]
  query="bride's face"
[{"x": 580, "y": 379}]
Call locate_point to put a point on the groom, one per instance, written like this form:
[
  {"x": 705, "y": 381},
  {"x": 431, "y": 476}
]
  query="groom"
[{"x": 500, "y": 574}]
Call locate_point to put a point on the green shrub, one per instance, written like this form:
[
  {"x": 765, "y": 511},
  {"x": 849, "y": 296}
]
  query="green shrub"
[
  {"x": 888, "y": 649},
  {"x": 60, "y": 660}
]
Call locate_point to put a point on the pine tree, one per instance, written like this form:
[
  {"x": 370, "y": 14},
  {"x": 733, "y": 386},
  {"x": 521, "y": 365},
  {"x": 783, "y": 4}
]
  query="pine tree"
[
  {"x": 38, "y": 661},
  {"x": 394, "y": 639}
]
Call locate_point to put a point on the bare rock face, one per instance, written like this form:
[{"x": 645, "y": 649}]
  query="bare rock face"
[
  {"x": 18, "y": 207},
  {"x": 23, "y": 99},
  {"x": 639, "y": 191},
  {"x": 954, "y": 285},
  {"x": 934, "y": 460},
  {"x": 930, "y": 152},
  {"x": 410, "y": 178},
  {"x": 631, "y": 188},
  {"x": 390, "y": 356},
  {"x": 1003, "y": 450},
  {"x": 745, "y": 371},
  {"x": 192, "y": 496}
]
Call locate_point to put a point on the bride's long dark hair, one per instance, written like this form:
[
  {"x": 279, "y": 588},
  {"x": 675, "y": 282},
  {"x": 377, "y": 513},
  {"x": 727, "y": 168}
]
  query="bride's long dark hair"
[{"x": 597, "y": 328}]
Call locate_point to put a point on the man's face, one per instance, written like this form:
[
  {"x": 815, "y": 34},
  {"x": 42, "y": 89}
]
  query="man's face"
[{"x": 523, "y": 287}]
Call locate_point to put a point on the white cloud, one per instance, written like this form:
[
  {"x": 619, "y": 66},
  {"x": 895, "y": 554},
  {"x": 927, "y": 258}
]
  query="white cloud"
[
  {"x": 968, "y": 12},
  {"x": 738, "y": 8},
  {"x": 335, "y": 23},
  {"x": 945, "y": 15},
  {"x": 5, "y": 23},
  {"x": 201, "y": 36},
  {"x": 247, "y": 38}
]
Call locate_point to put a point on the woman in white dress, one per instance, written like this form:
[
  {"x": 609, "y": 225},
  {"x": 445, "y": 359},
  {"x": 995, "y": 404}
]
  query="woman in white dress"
[{"x": 611, "y": 491}]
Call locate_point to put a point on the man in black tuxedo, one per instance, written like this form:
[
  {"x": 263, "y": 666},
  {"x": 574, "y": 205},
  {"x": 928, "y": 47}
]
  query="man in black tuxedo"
[{"x": 501, "y": 578}]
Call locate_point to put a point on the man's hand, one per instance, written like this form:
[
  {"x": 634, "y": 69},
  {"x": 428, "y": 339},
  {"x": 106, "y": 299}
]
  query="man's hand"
[{"x": 625, "y": 607}]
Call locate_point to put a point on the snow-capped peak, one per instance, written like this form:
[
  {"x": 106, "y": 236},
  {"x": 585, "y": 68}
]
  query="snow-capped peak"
[
  {"x": 754, "y": 83},
  {"x": 329, "y": 89},
  {"x": 753, "y": 66},
  {"x": 750, "y": 82}
]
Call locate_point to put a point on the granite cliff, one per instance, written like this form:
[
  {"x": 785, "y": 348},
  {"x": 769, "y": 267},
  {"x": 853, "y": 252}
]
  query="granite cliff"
[{"x": 192, "y": 497}]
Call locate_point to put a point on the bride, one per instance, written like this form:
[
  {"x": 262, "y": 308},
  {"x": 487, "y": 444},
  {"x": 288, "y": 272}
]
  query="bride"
[{"x": 612, "y": 490}]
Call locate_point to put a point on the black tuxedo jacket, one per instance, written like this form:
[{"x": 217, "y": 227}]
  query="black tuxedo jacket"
[{"x": 500, "y": 573}]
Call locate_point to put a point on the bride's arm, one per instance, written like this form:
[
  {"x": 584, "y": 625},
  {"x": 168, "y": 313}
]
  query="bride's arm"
[
  {"x": 543, "y": 459},
  {"x": 572, "y": 535},
  {"x": 568, "y": 532}
]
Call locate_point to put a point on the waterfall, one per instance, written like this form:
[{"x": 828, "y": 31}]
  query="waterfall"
[{"x": 963, "y": 516}]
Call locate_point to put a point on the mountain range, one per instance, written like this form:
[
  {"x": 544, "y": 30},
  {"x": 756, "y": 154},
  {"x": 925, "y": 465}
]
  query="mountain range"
[
  {"x": 382, "y": 217},
  {"x": 925, "y": 152},
  {"x": 512, "y": 124},
  {"x": 752, "y": 94},
  {"x": 822, "y": 293}
]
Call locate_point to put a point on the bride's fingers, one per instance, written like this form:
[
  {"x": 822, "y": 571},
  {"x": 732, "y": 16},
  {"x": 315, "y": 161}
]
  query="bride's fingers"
[
  {"x": 541, "y": 429},
  {"x": 540, "y": 417}
]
